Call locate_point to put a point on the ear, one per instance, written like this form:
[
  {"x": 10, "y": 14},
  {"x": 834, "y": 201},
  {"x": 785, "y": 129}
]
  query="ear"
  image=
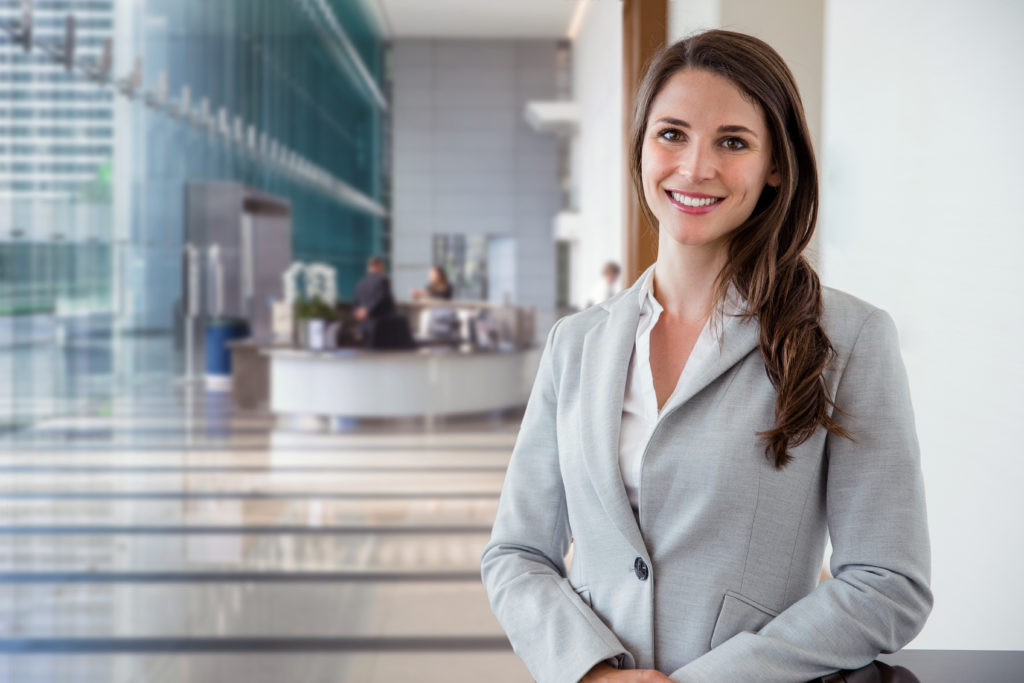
[{"x": 774, "y": 177}]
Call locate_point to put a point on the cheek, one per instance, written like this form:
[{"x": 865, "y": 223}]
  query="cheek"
[
  {"x": 747, "y": 180},
  {"x": 753, "y": 177},
  {"x": 652, "y": 168}
]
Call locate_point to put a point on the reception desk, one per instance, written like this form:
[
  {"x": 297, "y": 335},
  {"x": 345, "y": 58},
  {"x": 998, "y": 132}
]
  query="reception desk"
[{"x": 424, "y": 382}]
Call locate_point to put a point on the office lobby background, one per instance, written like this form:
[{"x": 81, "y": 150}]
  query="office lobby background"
[{"x": 143, "y": 511}]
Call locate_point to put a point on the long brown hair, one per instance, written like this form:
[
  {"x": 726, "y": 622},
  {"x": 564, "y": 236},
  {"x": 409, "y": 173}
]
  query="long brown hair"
[{"x": 765, "y": 254}]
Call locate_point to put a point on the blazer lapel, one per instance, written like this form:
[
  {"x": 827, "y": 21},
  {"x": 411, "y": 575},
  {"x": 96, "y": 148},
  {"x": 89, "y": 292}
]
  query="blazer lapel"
[
  {"x": 739, "y": 339},
  {"x": 604, "y": 362}
]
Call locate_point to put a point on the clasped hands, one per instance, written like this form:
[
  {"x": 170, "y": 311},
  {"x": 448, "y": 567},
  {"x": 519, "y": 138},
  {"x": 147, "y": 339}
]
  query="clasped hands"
[{"x": 604, "y": 672}]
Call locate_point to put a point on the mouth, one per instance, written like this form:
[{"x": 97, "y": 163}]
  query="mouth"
[{"x": 691, "y": 203}]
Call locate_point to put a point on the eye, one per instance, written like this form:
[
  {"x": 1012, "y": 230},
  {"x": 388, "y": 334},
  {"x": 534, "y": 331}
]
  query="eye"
[
  {"x": 734, "y": 144},
  {"x": 668, "y": 134}
]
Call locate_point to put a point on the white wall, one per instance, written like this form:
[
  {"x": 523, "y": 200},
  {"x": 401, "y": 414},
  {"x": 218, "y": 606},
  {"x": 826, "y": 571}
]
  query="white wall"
[
  {"x": 597, "y": 157},
  {"x": 923, "y": 175},
  {"x": 690, "y": 16}
]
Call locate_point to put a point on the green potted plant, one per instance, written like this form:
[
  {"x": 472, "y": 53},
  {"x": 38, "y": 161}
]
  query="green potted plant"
[{"x": 311, "y": 318}]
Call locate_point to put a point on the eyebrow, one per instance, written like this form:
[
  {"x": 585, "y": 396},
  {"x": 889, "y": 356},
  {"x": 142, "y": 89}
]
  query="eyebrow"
[{"x": 721, "y": 129}]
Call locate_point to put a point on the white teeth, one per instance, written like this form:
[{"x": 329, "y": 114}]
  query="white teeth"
[{"x": 692, "y": 201}]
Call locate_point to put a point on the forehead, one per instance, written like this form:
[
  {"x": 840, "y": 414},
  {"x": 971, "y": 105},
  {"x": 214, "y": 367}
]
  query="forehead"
[{"x": 704, "y": 98}]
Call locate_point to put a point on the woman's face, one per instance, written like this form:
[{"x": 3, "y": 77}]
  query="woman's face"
[{"x": 704, "y": 140}]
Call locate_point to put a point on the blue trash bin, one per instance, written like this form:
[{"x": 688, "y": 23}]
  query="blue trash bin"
[{"x": 219, "y": 331}]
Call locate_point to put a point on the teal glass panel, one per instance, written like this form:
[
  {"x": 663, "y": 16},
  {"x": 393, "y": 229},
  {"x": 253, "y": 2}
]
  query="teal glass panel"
[{"x": 93, "y": 175}]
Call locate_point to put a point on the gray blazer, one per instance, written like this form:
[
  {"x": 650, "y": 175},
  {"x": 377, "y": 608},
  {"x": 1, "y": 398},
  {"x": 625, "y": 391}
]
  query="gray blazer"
[{"x": 719, "y": 580}]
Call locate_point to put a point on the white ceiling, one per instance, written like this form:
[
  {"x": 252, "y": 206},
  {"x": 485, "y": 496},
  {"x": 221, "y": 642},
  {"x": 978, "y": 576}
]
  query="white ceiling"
[{"x": 477, "y": 18}]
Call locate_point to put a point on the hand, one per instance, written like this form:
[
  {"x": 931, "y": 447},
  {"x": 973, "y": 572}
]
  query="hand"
[
  {"x": 418, "y": 293},
  {"x": 359, "y": 314},
  {"x": 603, "y": 672}
]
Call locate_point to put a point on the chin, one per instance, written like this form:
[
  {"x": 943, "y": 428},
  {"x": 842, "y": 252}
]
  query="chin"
[{"x": 689, "y": 237}]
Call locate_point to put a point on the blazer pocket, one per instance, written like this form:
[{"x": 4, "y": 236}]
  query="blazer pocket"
[{"x": 739, "y": 613}]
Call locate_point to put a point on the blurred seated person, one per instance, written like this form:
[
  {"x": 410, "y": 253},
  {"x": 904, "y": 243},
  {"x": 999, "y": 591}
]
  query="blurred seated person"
[
  {"x": 437, "y": 288},
  {"x": 380, "y": 325},
  {"x": 442, "y": 323}
]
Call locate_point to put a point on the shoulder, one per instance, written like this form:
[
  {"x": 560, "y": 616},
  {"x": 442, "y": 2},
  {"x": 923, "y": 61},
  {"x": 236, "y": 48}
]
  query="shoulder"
[
  {"x": 849, "y": 321},
  {"x": 565, "y": 339},
  {"x": 573, "y": 327}
]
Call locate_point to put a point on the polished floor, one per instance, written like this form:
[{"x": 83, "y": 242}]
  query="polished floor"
[{"x": 162, "y": 535}]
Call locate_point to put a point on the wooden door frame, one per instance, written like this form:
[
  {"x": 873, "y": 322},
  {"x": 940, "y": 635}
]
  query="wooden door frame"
[{"x": 644, "y": 30}]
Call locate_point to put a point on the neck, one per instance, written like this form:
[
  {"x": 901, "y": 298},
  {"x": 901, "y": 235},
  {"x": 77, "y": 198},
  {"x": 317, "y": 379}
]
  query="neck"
[{"x": 684, "y": 277}]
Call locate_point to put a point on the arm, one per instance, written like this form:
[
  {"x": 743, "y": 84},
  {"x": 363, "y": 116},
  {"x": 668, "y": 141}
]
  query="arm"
[
  {"x": 881, "y": 560},
  {"x": 550, "y": 627}
]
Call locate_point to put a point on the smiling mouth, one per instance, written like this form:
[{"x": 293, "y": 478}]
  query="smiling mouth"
[{"x": 695, "y": 202}]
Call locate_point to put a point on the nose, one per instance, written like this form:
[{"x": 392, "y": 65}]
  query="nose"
[{"x": 696, "y": 164}]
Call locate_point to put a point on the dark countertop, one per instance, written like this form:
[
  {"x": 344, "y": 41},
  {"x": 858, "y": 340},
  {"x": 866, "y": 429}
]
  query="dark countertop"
[
  {"x": 269, "y": 346},
  {"x": 960, "y": 666}
]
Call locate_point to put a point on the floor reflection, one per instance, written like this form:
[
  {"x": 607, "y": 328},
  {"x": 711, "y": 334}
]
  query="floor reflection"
[{"x": 149, "y": 531}]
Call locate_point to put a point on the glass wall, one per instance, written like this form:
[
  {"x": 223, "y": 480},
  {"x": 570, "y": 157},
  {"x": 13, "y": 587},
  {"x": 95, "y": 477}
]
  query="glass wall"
[{"x": 288, "y": 97}]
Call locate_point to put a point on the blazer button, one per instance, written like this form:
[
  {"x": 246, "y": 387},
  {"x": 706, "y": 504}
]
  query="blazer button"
[{"x": 640, "y": 567}]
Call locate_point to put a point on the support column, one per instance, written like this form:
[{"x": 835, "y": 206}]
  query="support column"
[{"x": 644, "y": 30}]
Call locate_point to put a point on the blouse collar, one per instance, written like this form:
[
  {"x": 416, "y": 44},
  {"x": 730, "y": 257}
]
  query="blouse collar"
[{"x": 734, "y": 304}]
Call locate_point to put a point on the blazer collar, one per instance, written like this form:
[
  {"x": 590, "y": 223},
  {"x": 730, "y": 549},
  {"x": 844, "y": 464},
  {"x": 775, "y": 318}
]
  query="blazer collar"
[{"x": 607, "y": 348}]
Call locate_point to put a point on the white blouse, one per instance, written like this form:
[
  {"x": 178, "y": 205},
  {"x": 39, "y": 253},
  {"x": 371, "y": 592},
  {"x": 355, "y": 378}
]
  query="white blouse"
[{"x": 640, "y": 412}]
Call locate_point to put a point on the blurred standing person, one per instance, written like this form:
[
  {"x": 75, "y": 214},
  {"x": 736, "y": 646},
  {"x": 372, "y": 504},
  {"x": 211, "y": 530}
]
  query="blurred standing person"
[
  {"x": 373, "y": 298},
  {"x": 607, "y": 286}
]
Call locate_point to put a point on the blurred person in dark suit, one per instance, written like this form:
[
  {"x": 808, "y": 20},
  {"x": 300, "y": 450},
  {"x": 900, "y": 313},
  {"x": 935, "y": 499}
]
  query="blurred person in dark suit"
[{"x": 374, "y": 309}]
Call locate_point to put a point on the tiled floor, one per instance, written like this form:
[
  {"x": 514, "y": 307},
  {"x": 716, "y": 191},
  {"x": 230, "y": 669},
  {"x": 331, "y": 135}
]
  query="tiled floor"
[{"x": 166, "y": 537}]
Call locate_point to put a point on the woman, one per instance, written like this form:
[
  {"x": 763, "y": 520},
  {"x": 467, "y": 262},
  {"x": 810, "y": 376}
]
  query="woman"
[
  {"x": 437, "y": 288},
  {"x": 696, "y": 436}
]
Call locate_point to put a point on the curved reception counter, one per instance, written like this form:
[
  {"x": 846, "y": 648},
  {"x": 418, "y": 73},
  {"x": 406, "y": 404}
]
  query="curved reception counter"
[{"x": 374, "y": 384}]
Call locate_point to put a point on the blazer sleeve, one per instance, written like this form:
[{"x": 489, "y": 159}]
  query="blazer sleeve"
[
  {"x": 879, "y": 597},
  {"x": 556, "y": 634}
]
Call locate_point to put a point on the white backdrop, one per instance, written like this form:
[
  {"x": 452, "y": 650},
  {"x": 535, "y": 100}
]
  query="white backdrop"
[{"x": 923, "y": 215}]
